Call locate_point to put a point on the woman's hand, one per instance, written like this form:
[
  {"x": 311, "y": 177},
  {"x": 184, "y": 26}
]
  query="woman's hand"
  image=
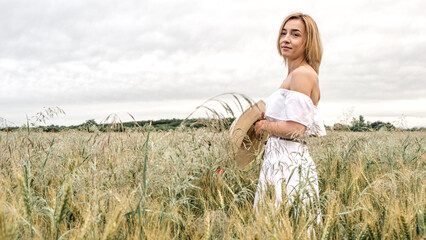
[{"x": 259, "y": 126}]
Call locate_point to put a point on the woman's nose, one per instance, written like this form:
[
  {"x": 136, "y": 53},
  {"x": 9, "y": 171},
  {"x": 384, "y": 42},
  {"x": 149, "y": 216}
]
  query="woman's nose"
[{"x": 284, "y": 38}]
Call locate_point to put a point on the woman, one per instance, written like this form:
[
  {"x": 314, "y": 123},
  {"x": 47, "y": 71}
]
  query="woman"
[{"x": 291, "y": 113}]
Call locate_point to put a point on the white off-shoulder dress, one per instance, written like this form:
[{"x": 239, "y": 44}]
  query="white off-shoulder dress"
[{"x": 287, "y": 165}]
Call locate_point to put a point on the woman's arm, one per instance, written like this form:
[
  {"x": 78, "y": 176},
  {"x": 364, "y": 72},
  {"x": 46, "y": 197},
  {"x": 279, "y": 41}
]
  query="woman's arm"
[{"x": 287, "y": 129}]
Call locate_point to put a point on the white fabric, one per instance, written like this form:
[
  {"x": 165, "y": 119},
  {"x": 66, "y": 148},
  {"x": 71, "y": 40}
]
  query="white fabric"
[
  {"x": 288, "y": 105},
  {"x": 286, "y": 161}
]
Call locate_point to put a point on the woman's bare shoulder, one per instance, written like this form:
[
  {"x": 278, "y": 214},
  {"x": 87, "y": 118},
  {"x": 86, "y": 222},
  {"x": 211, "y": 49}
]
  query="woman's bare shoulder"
[
  {"x": 303, "y": 80},
  {"x": 305, "y": 72}
]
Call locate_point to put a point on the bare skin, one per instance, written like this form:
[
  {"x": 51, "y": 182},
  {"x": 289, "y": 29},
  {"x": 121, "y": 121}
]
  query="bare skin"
[{"x": 301, "y": 77}]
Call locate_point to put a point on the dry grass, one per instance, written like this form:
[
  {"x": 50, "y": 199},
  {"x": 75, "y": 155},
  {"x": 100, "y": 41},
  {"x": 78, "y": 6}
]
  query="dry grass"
[{"x": 164, "y": 185}]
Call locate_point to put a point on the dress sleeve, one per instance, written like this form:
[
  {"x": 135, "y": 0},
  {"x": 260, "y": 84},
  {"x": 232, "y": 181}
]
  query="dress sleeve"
[{"x": 299, "y": 108}]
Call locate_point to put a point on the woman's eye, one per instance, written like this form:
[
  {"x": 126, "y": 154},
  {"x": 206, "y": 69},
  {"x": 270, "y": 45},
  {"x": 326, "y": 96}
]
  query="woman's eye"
[
  {"x": 296, "y": 35},
  {"x": 283, "y": 33}
]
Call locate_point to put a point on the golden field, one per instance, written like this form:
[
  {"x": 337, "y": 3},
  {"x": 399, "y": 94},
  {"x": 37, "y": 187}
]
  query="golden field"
[{"x": 166, "y": 185}]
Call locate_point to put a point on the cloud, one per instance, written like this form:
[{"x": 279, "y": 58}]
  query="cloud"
[
  {"x": 111, "y": 52},
  {"x": 373, "y": 54}
]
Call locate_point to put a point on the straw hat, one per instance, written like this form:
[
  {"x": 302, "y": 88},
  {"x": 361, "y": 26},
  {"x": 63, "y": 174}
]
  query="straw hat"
[{"x": 244, "y": 142}]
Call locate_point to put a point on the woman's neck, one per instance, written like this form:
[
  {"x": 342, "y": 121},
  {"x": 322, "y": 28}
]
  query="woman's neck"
[{"x": 295, "y": 63}]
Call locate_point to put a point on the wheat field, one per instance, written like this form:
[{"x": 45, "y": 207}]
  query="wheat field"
[{"x": 183, "y": 184}]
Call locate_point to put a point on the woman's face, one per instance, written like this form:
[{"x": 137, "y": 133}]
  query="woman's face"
[{"x": 292, "y": 40}]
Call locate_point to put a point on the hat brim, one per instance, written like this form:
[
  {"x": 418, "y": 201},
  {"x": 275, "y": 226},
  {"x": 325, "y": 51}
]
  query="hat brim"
[{"x": 245, "y": 145}]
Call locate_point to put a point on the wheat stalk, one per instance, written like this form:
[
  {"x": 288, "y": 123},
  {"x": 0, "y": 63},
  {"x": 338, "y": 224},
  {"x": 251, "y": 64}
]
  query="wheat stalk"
[
  {"x": 405, "y": 228},
  {"x": 62, "y": 208},
  {"x": 26, "y": 197},
  {"x": 87, "y": 222},
  {"x": 112, "y": 226},
  {"x": 327, "y": 228},
  {"x": 206, "y": 226},
  {"x": 222, "y": 202},
  {"x": 420, "y": 222}
]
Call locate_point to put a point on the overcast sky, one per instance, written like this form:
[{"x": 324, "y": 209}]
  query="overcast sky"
[{"x": 161, "y": 59}]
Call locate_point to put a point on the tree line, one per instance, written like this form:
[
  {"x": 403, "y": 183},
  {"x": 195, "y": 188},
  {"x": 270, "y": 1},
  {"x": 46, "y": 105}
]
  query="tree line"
[
  {"x": 357, "y": 125},
  {"x": 360, "y": 125},
  {"x": 156, "y": 125}
]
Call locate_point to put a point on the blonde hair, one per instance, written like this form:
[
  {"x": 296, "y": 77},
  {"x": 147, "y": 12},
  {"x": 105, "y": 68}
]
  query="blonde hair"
[{"x": 313, "y": 46}]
